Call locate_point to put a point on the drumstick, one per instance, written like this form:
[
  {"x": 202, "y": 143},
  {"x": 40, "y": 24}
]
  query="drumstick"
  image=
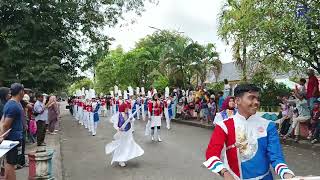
[{"x": 4, "y": 134}]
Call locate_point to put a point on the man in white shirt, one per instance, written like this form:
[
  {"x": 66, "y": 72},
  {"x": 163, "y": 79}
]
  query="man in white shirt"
[
  {"x": 226, "y": 89},
  {"x": 40, "y": 117}
]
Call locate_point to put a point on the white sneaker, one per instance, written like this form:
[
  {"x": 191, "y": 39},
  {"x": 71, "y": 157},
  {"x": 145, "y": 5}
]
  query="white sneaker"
[
  {"x": 152, "y": 138},
  {"x": 122, "y": 164},
  {"x": 159, "y": 139}
]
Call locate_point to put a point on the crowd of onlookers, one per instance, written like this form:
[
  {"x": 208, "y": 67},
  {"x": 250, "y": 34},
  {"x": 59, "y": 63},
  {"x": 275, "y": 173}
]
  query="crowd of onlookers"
[
  {"x": 206, "y": 105},
  {"x": 28, "y": 118},
  {"x": 301, "y": 106}
]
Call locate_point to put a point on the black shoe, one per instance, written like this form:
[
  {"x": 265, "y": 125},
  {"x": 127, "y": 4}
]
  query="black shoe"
[{"x": 19, "y": 167}]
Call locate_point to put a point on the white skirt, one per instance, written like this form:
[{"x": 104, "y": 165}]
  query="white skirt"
[
  {"x": 155, "y": 121},
  {"x": 124, "y": 147}
]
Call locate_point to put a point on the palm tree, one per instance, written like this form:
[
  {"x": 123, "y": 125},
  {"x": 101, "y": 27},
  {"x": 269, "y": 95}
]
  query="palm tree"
[
  {"x": 237, "y": 14},
  {"x": 212, "y": 61},
  {"x": 176, "y": 62}
]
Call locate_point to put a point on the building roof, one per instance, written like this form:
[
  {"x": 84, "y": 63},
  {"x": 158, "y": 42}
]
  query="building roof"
[
  {"x": 228, "y": 71},
  {"x": 231, "y": 72}
]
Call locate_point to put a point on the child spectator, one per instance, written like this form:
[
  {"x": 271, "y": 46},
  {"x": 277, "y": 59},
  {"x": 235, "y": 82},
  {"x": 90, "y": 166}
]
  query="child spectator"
[
  {"x": 220, "y": 100},
  {"x": 286, "y": 113},
  {"x": 212, "y": 107},
  {"x": 314, "y": 118}
]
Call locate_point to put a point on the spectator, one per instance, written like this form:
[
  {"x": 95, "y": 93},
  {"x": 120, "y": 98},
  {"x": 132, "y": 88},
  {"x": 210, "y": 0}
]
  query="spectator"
[
  {"x": 316, "y": 134},
  {"x": 13, "y": 115},
  {"x": 4, "y": 97},
  {"x": 21, "y": 157},
  {"x": 32, "y": 126},
  {"x": 205, "y": 108},
  {"x": 303, "y": 116},
  {"x": 40, "y": 117},
  {"x": 212, "y": 107},
  {"x": 286, "y": 116},
  {"x": 227, "y": 110},
  {"x": 315, "y": 119},
  {"x": 312, "y": 88},
  {"x": 197, "y": 108},
  {"x": 53, "y": 114},
  {"x": 226, "y": 89},
  {"x": 46, "y": 101},
  {"x": 301, "y": 89},
  {"x": 220, "y": 100}
]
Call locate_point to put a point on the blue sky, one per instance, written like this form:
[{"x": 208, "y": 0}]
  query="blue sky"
[{"x": 198, "y": 19}]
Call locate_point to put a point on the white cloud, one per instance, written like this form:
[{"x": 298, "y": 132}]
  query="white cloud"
[{"x": 198, "y": 19}]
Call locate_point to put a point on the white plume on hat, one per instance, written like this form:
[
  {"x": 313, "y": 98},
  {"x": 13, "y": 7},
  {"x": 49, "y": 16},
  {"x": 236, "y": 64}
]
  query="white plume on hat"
[
  {"x": 149, "y": 94},
  {"x": 83, "y": 91},
  {"x": 125, "y": 95},
  {"x": 154, "y": 91},
  {"x": 92, "y": 93},
  {"x": 119, "y": 92},
  {"x": 137, "y": 91},
  {"x": 86, "y": 93},
  {"x": 116, "y": 89},
  {"x": 111, "y": 93},
  {"x": 167, "y": 91},
  {"x": 130, "y": 91},
  {"x": 142, "y": 91},
  {"x": 183, "y": 92}
]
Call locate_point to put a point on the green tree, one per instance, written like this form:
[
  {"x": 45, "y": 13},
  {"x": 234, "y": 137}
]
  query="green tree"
[
  {"x": 83, "y": 83},
  {"x": 236, "y": 22},
  {"x": 43, "y": 43},
  {"x": 107, "y": 71},
  {"x": 165, "y": 58},
  {"x": 276, "y": 34},
  {"x": 290, "y": 31}
]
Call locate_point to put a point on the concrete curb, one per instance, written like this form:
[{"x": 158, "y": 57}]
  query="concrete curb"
[{"x": 305, "y": 144}]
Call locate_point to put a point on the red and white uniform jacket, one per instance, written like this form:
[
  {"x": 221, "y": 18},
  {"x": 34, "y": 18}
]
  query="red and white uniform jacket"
[
  {"x": 81, "y": 104},
  {"x": 155, "y": 108},
  {"x": 103, "y": 102},
  {"x": 166, "y": 103},
  {"x": 248, "y": 147},
  {"x": 89, "y": 108},
  {"x": 129, "y": 104}
]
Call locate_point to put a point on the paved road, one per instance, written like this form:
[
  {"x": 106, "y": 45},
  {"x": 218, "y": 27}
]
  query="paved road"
[{"x": 178, "y": 157}]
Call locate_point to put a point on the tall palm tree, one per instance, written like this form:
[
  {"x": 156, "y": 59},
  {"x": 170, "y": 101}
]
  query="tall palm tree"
[{"x": 235, "y": 15}]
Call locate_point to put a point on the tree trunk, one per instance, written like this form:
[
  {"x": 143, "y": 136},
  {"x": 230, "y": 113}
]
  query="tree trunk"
[{"x": 244, "y": 62}]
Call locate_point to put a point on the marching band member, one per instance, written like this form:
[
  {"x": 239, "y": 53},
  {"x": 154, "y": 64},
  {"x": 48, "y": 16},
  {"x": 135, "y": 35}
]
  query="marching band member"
[
  {"x": 124, "y": 147},
  {"x": 103, "y": 106},
  {"x": 80, "y": 110},
  {"x": 155, "y": 114},
  {"x": 96, "y": 107},
  {"x": 167, "y": 108},
  {"x": 248, "y": 143},
  {"x": 144, "y": 104}
]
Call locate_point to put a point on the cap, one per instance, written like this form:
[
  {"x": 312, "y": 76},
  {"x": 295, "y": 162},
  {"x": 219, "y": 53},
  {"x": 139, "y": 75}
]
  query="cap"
[{"x": 16, "y": 88}]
